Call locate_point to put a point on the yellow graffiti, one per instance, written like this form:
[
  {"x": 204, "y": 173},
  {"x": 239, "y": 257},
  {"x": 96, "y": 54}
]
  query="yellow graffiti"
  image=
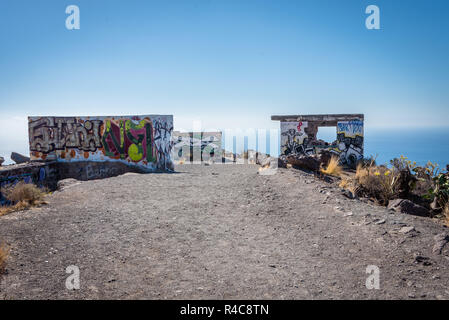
[
  {"x": 134, "y": 154},
  {"x": 122, "y": 134},
  {"x": 129, "y": 125}
]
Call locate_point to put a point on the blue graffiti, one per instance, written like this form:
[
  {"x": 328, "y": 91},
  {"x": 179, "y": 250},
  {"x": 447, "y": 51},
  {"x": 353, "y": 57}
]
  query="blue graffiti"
[
  {"x": 351, "y": 127},
  {"x": 11, "y": 181}
]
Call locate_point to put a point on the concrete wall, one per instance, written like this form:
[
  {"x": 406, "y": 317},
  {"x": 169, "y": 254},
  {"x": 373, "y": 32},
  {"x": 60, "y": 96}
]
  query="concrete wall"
[
  {"x": 47, "y": 174},
  {"x": 41, "y": 174},
  {"x": 197, "y": 146},
  {"x": 143, "y": 142},
  {"x": 299, "y": 137}
]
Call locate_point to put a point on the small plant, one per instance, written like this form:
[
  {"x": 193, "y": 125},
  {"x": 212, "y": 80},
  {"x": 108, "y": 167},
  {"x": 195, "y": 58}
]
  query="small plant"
[
  {"x": 22, "y": 196},
  {"x": 333, "y": 167},
  {"x": 24, "y": 192},
  {"x": 439, "y": 194},
  {"x": 4, "y": 254},
  {"x": 403, "y": 163},
  {"x": 367, "y": 162}
]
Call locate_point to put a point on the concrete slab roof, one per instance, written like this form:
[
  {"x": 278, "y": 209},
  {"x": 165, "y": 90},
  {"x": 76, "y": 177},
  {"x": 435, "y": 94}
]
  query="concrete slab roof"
[{"x": 320, "y": 119}]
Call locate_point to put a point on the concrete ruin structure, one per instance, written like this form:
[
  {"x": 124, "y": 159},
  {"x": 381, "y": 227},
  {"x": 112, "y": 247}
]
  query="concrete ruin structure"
[
  {"x": 196, "y": 147},
  {"x": 86, "y": 148},
  {"x": 143, "y": 142},
  {"x": 299, "y": 135}
]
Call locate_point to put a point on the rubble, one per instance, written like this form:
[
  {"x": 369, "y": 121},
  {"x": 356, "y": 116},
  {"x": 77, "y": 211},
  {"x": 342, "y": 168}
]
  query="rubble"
[
  {"x": 408, "y": 207},
  {"x": 18, "y": 158}
]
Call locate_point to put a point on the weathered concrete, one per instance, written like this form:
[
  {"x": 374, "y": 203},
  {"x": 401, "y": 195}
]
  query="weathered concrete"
[
  {"x": 322, "y": 120},
  {"x": 299, "y": 136},
  {"x": 19, "y": 159},
  {"x": 41, "y": 174},
  {"x": 139, "y": 141}
]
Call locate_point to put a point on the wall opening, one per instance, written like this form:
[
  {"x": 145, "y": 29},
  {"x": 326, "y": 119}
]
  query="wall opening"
[{"x": 327, "y": 134}]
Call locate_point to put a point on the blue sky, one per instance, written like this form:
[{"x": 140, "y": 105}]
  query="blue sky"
[{"x": 228, "y": 63}]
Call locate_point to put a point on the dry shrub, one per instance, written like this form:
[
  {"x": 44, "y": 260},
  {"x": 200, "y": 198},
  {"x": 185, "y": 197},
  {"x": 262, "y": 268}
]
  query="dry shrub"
[
  {"x": 4, "y": 254},
  {"x": 24, "y": 192},
  {"x": 373, "y": 181},
  {"x": 22, "y": 196},
  {"x": 333, "y": 167}
]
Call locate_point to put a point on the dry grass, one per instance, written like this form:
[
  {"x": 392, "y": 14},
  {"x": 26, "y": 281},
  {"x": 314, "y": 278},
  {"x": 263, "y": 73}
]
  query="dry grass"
[
  {"x": 373, "y": 181},
  {"x": 333, "y": 167},
  {"x": 4, "y": 254},
  {"x": 24, "y": 192},
  {"x": 23, "y": 196}
]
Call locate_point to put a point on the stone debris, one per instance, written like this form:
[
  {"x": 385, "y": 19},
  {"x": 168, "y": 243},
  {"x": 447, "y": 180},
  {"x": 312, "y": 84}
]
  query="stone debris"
[
  {"x": 18, "y": 158},
  {"x": 440, "y": 241},
  {"x": 408, "y": 207},
  {"x": 308, "y": 162},
  {"x": 421, "y": 259},
  {"x": 406, "y": 230},
  {"x": 66, "y": 183},
  {"x": 348, "y": 194}
]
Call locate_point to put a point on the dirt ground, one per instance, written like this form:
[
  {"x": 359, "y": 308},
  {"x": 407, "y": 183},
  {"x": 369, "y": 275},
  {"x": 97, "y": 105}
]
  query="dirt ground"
[{"x": 219, "y": 232}]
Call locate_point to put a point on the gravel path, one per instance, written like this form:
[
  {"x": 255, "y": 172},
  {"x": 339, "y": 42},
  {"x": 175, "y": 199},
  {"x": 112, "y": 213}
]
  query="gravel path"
[{"x": 218, "y": 232}]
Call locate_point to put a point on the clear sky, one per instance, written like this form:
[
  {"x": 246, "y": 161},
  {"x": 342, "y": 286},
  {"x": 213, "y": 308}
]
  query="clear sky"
[{"x": 228, "y": 63}]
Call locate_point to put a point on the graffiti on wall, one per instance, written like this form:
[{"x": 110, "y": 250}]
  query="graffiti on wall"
[
  {"x": 10, "y": 178},
  {"x": 350, "y": 141},
  {"x": 294, "y": 139},
  {"x": 348, "y": 146},
  {"x": 143, "y": 141},
  {"x": 197, "y": 146}
]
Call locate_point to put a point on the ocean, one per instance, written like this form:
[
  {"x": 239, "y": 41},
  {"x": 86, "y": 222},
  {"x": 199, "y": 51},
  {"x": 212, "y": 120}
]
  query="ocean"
[{"x": 420, "y": 145}]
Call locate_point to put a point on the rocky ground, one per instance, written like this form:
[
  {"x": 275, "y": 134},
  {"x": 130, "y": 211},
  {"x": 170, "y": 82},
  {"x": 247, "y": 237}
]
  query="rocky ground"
[{"x": 220, "y": 232}]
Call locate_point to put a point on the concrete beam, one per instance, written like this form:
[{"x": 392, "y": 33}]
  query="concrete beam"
[{"x": 321, "y": 120}]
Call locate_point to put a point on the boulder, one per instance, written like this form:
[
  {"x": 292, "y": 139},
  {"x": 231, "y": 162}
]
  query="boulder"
[
  {"x": 18, "y": 158},
  {"x": 440, "y": 241},
  {"x": 408, "y": 207},
  {"x": 311, "y": 162},
  {"x": 66, "y": 183}
]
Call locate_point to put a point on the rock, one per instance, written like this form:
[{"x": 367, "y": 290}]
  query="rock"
[
  {"x": 18, "y": 158},
  {"x": 311, "y": 162},
  {"x": 421, "y": 259},
  {"x": 406, "y": 230},
  {"x": 348, "y": 194},
  {"x": 2, "y": 160},
  {"x": 408, "y": 207},
  {"x": 382, "y": 221},
  {"x": 440, "y": 241},
  {"x": 66, "y": 183}
]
